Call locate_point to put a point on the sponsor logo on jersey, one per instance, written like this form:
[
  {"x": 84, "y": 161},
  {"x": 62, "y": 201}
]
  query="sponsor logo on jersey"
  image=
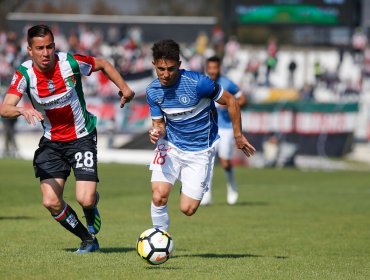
[
  {"x": 59, "y": 101},
  {"x": 186, "y": 113},
  {"x": 83, "y": 130},
  {"x": 51, "y": 86}
]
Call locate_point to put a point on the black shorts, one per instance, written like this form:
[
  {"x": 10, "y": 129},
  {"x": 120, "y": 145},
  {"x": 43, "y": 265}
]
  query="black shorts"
[{"x": 55, "y": 159}]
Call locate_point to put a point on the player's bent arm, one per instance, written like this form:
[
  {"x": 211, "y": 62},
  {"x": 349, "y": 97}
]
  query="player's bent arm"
[
  {"x": 158, "y": 130},
  {"x": 126, "y": 93},
  {"x": 242, "y": 100},
  {"x": 234, "y": 111},
  {"x": 9, "y": 109}
]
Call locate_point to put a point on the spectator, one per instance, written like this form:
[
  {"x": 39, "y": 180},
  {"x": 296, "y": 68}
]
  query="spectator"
[
  {"x": 359, "y": 42},
  {"x": 306, "y": 93},
  {"x": 292, "y": 66},
  {"x": 10, "y": 145}
]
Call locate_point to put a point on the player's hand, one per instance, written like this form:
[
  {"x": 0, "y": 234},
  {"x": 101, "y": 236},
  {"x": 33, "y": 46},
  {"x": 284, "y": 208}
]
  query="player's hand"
[
  {"x": 126, "y": 97},
  {"x": 243, "y": 144},
  {"x": 31, "y": 115},
  {"x": 154, "y": 135}
]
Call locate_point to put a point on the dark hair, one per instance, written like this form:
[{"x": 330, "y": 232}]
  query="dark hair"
[
  {"x": 166, "y": 49},
  {"x": 40, "y": 30},
  {"x": 214, "y": 58}
]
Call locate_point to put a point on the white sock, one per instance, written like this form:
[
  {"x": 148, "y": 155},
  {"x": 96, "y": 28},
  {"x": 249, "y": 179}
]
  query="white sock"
[
  {"x": 160, "y": 218},
  {"x": 230, "y": 178}
]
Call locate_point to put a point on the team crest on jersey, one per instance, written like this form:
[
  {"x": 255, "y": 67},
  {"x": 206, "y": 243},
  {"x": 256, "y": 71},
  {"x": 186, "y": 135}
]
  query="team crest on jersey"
[
  {"x": 184, "y": 99},
  {"x": 51, "y": 86},
  {"x": 70, "y": 81},
  {"x": 14, "y": 79}
]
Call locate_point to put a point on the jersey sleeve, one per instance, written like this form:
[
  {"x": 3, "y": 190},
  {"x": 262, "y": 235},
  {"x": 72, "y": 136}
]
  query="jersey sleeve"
[
  {"x": 86, "y": 64},
  {"x": 155, "y": 110},
  {"x": 233, "y": 88},
  {"x": 229, "y": 85},
  {"x": 18, "y": 85},
  {"x": 208, "y": 88}
]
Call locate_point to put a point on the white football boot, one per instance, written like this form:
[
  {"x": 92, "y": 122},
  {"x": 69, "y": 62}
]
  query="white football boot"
[{"x": 232, "y": 195}]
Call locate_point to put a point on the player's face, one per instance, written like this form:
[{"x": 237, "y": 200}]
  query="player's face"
[
  {"x": 213, "y": 70},
  {"x": 167, "y": 71},
  {"x": 42, "y": 52}
]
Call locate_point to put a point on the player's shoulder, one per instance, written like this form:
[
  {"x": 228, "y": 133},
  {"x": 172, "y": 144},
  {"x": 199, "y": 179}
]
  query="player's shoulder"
[
  {"x": 25, "y": 65},
  {"x": 155, "y": 84},
  {"x": 189, "y": 75}
]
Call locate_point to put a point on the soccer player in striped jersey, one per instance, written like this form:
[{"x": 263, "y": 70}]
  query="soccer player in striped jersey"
[
  {"x": 52, "y": 81},
  {"x": 184, "y": 127},
  {"x": 225, "y": 147}
]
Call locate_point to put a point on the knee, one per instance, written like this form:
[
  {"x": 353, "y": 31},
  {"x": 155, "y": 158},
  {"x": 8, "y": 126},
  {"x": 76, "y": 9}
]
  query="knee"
[
  {"x": 86, "y": 201},
  {"x": 159, "y": 199},
  {"x": 54, "y": 205},
  {"x": 188, "y": 210}
]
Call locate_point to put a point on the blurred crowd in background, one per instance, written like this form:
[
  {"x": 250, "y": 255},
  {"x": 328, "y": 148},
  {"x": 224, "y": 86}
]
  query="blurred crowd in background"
[
  {"x": 330, "y": 74},
  {"x": 131, "y": 54}
]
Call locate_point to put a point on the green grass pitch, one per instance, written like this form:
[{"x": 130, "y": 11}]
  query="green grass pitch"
[{"x": 288, "y": 224}]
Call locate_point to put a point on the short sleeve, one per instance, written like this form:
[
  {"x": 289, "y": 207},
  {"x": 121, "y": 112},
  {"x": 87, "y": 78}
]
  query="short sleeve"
[
  {"x": 233, "y": 88},
  {"x": 18, "y": 85},
  {"x": 155, "y": 110},
  {"x": 86, "y": 64},
  {"x": 208, "y": 88}
]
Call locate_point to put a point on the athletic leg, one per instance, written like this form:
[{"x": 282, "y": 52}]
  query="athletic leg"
[
  {"x": 82, "y": 157},
  {"x": 88, "y": 198},
  {"x": 207, "y": 196},
  {"x": 232, "y": 191},
  {"x": 188, "y": 205},
  {"x": 52, "y": 199},
  {"x": 225, "y": 153},
  {"x": 165, "y": 170},
  {"x": 159, "y": 211},
  {"x": 195, "y": 176}
]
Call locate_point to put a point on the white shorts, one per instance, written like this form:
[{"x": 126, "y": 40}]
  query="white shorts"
[
  {"x": 225, "y": 147},
  {"x": 194, "y": 170}
]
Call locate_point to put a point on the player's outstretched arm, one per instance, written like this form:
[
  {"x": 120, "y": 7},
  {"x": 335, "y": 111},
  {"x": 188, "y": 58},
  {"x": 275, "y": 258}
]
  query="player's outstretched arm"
[
  {"x": 158, "y": 130},
  {"x": 9, "y": 109},
  {"x": 234, "y": 111},
  {"x": 126, "y": 93}
]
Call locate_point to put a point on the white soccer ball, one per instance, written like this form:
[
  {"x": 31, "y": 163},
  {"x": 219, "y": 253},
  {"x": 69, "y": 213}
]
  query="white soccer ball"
[{"x": 154, "y": 246}]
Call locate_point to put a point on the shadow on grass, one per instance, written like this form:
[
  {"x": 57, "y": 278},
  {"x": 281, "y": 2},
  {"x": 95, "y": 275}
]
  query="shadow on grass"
[
  {"x": 227, "y": 256},
  {"x": 161, "y": 267},
  {"x": 16, "y": 218},
  {"x": 252, "y": 203},
  {"x": 117, "y": 250},
  {"x": 107, "y": 250},
  {"x": 241, "y": 203}
]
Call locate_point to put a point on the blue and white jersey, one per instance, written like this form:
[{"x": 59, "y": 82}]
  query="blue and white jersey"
[
  {"x": 224, "y": 120},
  {"x": 188, "y": 109}
]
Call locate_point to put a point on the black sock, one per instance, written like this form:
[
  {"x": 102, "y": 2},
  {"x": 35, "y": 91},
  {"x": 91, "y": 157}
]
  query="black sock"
[
  {"x": 69, "y": 220},
  {"x": 89, "y": 215}
]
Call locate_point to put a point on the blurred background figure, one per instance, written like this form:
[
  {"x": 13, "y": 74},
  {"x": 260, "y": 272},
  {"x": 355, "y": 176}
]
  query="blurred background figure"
[
  {"x": 359, "y": 41},
  {"x": 10, "y": 144},
  {"x": 292, "y": 66},
  {"x": 225, "y": 148}
]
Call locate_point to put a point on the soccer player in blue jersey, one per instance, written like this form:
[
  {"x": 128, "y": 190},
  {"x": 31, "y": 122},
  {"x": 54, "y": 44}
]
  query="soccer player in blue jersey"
[
  {"x": 225, "y": 147},
  {"x": 184, "y": 127}
]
